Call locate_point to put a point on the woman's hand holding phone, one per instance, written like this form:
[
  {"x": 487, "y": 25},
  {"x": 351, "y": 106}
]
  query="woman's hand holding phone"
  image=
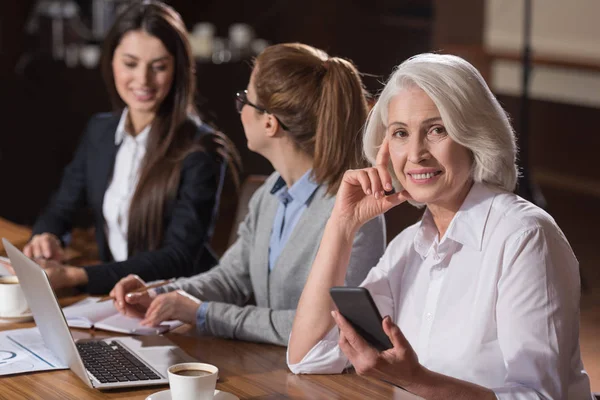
[
  {"x": 398, "y": 365},
  {"x": 375, "y": 346}
]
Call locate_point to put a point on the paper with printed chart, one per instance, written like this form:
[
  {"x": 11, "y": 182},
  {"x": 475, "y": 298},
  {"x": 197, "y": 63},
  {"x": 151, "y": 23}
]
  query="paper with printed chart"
[{"x": 23, "y": 350}]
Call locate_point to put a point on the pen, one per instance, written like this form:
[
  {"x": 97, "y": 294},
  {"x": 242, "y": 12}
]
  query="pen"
[{"x": 141, "y": 290}]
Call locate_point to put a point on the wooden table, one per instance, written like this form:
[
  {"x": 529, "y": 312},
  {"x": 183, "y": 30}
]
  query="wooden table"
[
  {"x": 16, "y": 234},
  {"x": 248, "y": 370}
]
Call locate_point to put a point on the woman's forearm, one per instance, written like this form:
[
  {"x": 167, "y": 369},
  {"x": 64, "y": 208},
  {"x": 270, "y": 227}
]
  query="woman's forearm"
[{"x": 313, "y": 315}]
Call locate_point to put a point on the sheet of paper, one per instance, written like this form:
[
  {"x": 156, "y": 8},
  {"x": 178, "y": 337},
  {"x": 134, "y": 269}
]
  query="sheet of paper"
[
  {"x": 88, "y": 312},
  {"x": 23, "y": 350},
  {"x": 3, "y": 270}
]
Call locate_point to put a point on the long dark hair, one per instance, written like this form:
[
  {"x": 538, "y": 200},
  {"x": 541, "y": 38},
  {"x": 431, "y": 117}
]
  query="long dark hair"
[
  {"x": 173, "y": 135},
  {"x": 322, "y": 102}
]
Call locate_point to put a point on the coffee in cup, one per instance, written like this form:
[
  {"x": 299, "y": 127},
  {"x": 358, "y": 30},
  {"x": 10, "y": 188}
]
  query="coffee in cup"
[
  {"x": 193, "y": 372},
  {"x": 193, "y": 381},
  {"x": 12, "y": 299}
]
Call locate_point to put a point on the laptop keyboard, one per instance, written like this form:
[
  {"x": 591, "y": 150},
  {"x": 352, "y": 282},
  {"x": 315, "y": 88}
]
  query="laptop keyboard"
[{"x": 110, "y": 362}]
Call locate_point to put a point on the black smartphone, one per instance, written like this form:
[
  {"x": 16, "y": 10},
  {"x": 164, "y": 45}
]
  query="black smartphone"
[{"x": 358, "y": 307}]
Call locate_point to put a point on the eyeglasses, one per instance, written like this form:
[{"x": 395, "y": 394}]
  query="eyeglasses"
[{"x": 241, "y": 99}]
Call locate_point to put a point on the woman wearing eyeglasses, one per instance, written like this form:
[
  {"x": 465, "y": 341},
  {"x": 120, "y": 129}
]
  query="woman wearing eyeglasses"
[{"x": 303, "y": 111}]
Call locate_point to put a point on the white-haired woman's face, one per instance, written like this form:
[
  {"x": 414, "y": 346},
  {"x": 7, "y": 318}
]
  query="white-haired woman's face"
[{"x": 431, "y": 167}]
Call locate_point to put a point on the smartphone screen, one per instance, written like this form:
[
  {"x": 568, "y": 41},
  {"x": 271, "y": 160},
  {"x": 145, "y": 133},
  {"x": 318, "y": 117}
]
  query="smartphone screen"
[{"x": 358, "y": 307}]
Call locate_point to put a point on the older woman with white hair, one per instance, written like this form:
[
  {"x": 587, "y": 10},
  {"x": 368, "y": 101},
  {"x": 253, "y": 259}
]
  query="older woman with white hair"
[{"x": 481, "y": 297}]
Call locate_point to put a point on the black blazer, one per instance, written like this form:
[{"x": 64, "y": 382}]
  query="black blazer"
[{"x": 188, "y": 220}]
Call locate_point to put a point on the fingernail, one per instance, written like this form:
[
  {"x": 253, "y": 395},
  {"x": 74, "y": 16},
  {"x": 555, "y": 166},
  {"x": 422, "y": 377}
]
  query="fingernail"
[
  {"x": 333, "y": 314},
  {"x": 369, "y": 191},
  {"x": 120, "y": 304},
  {"x": 388, "y": 186}
]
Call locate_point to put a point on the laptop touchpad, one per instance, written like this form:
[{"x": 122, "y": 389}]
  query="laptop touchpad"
[{"x": 157, "y": 351}]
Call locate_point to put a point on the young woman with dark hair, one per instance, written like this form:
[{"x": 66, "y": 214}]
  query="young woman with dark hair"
[
  {"x": 151, "y": 171},
  {"x": 303, "y": 111}
]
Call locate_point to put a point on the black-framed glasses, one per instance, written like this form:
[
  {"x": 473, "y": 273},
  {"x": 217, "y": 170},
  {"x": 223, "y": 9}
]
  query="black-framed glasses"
[{"x": 241, "y": 99}]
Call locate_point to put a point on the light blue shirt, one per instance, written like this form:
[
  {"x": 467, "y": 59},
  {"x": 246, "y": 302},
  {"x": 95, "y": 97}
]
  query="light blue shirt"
[{"x": 292, "y": 203}]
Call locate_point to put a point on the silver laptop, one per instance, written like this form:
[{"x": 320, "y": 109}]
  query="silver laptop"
[{"x": 101, "y": 363}]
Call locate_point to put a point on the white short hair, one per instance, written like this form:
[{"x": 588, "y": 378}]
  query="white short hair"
[{"x": 471, "y": 114}]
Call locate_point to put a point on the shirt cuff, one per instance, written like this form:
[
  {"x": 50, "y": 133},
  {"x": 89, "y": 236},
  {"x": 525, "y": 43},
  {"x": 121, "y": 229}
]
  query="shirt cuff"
[
  {"x": 201, "y": 317},
  {"x": 325, "y": 357}
]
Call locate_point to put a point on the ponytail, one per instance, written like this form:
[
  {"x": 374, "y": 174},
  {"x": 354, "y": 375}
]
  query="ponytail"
[
  {"x": 341, "y": 114},
  {"x": 322, "y": 103}
]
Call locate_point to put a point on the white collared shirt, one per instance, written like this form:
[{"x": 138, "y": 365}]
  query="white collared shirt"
[
  {"x": 121, "y": 188},
  {"x": 495, "y": 302}
]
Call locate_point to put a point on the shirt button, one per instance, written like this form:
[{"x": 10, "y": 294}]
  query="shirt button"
[{"x": 429, "y": 316}]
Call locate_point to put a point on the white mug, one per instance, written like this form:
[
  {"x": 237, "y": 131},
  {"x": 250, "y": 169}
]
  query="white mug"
[
  {"x": 198, "y": 383},
  {"x": 12, "y": 299}
]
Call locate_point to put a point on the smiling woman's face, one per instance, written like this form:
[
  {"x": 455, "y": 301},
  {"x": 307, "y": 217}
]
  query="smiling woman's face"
[
  {"x": 431, "y": 167},
  {"x": 143, "y": 71}
]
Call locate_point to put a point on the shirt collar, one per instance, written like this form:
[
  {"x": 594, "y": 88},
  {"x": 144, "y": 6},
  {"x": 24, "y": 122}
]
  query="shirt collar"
[
  {"x": 140, "y": 138},
  {"x": 301, "y": 191},
  {"x": 467, "y": 226}
]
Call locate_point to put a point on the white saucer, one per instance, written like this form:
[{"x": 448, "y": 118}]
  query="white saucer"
[
  {"x": 28, "y": 316},
  {"x": 166, "y": 395}
]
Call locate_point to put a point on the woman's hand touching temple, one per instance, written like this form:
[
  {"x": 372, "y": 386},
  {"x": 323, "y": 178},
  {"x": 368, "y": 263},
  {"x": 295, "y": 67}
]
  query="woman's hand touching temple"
[{"x": 362, "y": 194}]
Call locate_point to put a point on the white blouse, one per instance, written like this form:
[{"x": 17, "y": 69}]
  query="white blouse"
[
  {"x": 495, "y": 302},
  {"x": 121, "y": 188}
]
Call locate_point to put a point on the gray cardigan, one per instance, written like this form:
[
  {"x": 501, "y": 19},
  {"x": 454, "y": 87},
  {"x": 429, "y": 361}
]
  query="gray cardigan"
[{"x": 243, "y": 271}]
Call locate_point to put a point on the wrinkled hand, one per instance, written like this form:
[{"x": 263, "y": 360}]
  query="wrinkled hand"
[
  {"x": 131, "y": 304},
  {"x": 399, "y": 365},
  {"x": 45, "y": 245},
  {"x": 361, "y": 196},
  {"x": 174, "y": 305}
]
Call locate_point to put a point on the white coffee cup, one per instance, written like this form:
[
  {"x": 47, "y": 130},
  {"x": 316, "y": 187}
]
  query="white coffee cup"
[
  {"x": 193, "y": 381},
  {"x": 12, "y": 299}
]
